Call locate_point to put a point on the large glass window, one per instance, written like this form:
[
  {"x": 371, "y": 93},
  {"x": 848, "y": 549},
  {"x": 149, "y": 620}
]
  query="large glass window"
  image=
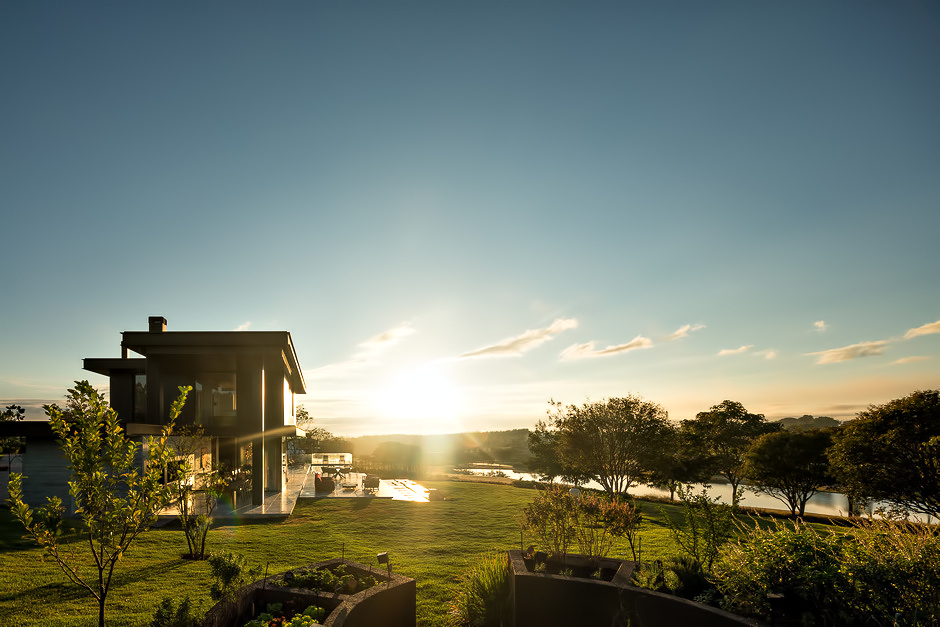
[
  {"x": 215, "y": 396},
  {"x": 140, "y": 398}
]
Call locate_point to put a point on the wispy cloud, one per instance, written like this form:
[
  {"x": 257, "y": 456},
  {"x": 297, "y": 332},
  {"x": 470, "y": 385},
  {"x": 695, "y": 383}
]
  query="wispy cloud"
[
  {"x": 767, "y": 354},
  {"x": 519, "y": 344},
  {"x": 820, "y": 325},
  {"x": 586, "y": 350},
  {"x": 384, "y": 340},
  {"x": 927, "y": 329},
  {"x": 736, "y": 351},
  {"x": 371, "y": 350},
  {"x": 908, "y": 360},
  {"x": 243, "y": 326},
  {"x": 853, "y": 351},
  {"x": 684, "y": 331}
]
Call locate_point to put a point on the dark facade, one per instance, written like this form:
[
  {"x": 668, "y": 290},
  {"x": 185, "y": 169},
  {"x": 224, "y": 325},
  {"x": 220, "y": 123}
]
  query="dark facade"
[{"x": 243, "y": 383}]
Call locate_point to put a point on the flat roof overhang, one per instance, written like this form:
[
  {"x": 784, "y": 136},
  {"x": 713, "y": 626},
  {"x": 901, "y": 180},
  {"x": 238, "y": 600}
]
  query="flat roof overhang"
[
  {"x": 215, "y": 342},
  {"x": 107, "y": 365}
]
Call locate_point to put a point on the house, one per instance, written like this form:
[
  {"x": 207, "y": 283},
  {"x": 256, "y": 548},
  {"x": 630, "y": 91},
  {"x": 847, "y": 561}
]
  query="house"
[{"x": 244, "y": 384}]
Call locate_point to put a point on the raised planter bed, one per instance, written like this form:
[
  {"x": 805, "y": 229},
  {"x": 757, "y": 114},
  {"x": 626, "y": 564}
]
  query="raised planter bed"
[
  {"x": 543, "y": 599},
  {"x": 390, "y": 602}
]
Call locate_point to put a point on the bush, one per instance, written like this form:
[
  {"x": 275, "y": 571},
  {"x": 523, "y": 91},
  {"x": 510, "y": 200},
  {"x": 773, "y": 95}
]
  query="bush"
[
  {"x": 168, "y": 615},
  {"x": 707, "y": 524},
  {"x": 231, "y": 572},
  {"x": 681, "y": 576},
  {"x": 483, "y": 597},
  {"x": 879, "y": 572}
]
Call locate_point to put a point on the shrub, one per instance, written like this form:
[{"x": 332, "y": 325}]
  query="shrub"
[
  {"x": 879, "y": 572},
  {"x": 483, "y": 597},
  {"x": 168, "y": 615},
  {"x": 707, "y": 524},
  {"x": 231, "y": 572},
  {"x": 551, "y": 518},
  {"x": 682, "y": 576}
]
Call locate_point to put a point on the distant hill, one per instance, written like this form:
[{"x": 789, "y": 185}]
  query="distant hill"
[
  {"x": 807, "y": 422},
  {"x": 457, "y": 449}
]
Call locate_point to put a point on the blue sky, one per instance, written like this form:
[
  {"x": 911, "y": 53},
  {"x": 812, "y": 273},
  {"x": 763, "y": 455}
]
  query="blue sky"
[{"x": 463, "y": 210}]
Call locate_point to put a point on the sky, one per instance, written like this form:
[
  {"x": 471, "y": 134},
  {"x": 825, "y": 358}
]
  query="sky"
[{"x": 461, "y": 211}]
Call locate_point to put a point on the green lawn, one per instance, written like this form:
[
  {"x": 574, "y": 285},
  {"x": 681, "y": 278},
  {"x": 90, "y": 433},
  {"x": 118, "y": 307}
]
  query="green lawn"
[{"x": 431, "y": 542}]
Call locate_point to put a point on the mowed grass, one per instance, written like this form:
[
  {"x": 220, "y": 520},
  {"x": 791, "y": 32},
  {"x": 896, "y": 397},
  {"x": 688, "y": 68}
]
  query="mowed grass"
[{"x": 430, "y": 542}]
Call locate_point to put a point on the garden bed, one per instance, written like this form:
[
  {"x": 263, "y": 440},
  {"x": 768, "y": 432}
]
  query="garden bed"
[
  {"x": 389, "y": 600},
  {"x": 542, "y": 599}
]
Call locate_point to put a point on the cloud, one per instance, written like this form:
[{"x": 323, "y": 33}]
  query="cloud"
[
  {"x": 684, "y": 331},
  {"x": 736, "y": 351},
  {"x": 519, "y": 344},
  {"x": 584, "y": 351},
  {"x": 384, "y": 340},
  {"x": 371, "y": 350},
  {"x": 908, "y": 360},
  {"x": 820, "y": 325},
  {"x": 767, "y": 354},
  {"x": 243, "y": 326},
  {"x": 927, "y": 329},
  {"x": 854, "y": 351}
]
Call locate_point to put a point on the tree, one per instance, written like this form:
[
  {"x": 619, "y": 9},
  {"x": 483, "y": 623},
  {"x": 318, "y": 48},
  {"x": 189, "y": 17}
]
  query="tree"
[
  {"x": 197, "y": 487},
  {"x": 677, "y": 463},
  {"x": 13, "y": 413},
  {"x": 115, "y": 500},
  {"x": 790, "y": 466},
  {"x": 721, "y": 437},
  {"x": 614, "y": 441},
  {"x": 891, "y": 452},
  {"x": 546, "y": 461}
]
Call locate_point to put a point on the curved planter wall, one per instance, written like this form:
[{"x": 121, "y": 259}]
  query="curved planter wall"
[
  {"x": 543, "y": 600},
  {"x": 391, "y": 602}
]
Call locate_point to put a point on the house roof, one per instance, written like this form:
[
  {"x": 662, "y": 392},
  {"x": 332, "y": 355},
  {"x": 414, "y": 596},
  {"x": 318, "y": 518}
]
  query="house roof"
[{"x": 214, "y": 342}]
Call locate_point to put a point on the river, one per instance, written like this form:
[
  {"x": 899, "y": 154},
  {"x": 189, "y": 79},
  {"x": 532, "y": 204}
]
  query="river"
[{"x": 823, "y": 503}]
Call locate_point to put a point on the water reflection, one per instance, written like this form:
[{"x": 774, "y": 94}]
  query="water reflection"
[{"x": 824, "y": 503}]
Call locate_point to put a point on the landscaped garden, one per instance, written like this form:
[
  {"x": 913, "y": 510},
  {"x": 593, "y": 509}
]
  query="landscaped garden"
[{"x": 430, "y": 542}]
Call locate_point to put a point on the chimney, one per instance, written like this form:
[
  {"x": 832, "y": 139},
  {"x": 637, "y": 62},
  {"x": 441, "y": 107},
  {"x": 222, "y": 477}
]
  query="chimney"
[{"x": 157, "y": 324}]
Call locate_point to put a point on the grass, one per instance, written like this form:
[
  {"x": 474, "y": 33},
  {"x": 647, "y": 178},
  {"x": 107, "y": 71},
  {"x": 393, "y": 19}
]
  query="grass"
[{"x": 430, "y": 542}]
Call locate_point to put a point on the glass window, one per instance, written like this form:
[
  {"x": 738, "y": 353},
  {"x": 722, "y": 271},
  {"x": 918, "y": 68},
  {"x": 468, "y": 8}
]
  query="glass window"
[{"x": 214, "y": 396}]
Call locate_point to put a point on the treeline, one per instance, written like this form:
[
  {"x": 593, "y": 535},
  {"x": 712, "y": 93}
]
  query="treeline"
[{"x": 887, "y": 453}]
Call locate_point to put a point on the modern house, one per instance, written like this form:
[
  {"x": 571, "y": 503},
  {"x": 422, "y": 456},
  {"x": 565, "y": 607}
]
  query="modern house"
[{"x": 243, "y": 383}]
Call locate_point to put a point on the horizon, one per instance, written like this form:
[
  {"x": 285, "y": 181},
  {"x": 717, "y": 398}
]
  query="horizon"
[{"x": 460, "y": 212}]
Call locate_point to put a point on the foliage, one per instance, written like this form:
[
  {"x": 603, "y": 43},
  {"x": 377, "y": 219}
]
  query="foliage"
[
  {"x": 231, "y": 572},
  {"x": 721, "y": 436},
  {"x": 315, "y": 439},
  {"x": 706, "y": 525},
  {"x": 616, "y": 441},
  {"x": 677, "y": 463},
  {"x": 327, "y": 580},
  {"x": 551, "y": 518},
  {"x": 483, "y": 597},
  {"x": 556, "y": 518},
  {"x": 881, "y": 572},
  {"x": 313, "y": 615},
  {"x": 170, "y": 615},
  {"x": 545, "y": 461},
  {"x": 196, "y": 491},
  {"x": 790, "y": 466},
  {"x": 682, "y": 576},
  {"x": 891, "y": 452},
  {"x": 598, "y": 521},
  {"x": 12, "y": 413},
  {"x": 114, "y": 500}
]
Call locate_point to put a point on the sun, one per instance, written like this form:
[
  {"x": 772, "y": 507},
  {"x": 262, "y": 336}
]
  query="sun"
[{"x": 420, "y": 397}]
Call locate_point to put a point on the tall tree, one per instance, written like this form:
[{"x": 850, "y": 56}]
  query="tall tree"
[
  {"x": 616, "y": 441},
  {"x": 114, "y": 499},
  {"x": 721, "y": 437},
  {"x": 891, "y": 452},
  {"x": 790, "y": 466}
]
